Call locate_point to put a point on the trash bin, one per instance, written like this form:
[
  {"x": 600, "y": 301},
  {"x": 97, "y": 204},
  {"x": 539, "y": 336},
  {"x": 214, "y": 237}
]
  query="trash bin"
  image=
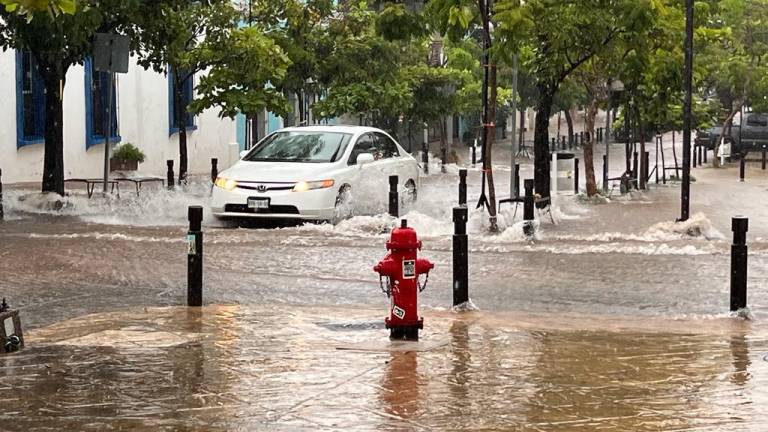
[{"x": 563, "y": 171}]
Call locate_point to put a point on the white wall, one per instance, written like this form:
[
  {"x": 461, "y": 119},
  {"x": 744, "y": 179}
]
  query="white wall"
[{"x": 143, "y": 116}]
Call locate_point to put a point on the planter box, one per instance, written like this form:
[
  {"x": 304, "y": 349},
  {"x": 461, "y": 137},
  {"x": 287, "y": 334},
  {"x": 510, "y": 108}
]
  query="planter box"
[{"x": 123, "y": 165}]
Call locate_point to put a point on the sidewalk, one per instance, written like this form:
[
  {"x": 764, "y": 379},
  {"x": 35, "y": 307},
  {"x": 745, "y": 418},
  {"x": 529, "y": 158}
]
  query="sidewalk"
[{"x": 265, "y": 368}]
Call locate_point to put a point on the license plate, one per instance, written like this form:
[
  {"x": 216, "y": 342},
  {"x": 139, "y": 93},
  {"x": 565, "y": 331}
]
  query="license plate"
[{"x": 258, "y": 203}]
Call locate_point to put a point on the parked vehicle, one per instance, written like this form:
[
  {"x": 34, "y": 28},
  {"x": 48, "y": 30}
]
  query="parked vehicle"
[
  {"x": 314, "y": 173},
  {"x": 753, "y": 136}
]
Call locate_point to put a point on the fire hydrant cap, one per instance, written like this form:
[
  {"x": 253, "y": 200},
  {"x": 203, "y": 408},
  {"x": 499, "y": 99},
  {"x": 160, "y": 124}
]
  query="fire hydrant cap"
[{"x": 403, "y": 238}]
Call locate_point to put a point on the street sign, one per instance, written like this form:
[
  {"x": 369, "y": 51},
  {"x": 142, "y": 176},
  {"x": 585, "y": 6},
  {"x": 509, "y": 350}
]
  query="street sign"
[{"x": 111, "y": 52}]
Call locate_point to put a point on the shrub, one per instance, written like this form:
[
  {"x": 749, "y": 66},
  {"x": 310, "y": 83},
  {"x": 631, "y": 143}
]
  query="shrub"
[{"x": 129, "y": 152}]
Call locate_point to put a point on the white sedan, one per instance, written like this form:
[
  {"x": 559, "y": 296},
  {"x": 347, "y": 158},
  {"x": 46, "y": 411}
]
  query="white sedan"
[{"x": 315, "y": 173}]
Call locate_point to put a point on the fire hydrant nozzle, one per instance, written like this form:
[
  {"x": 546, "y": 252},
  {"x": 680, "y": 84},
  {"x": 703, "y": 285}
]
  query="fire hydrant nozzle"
[{"x": 402, "y": 268}]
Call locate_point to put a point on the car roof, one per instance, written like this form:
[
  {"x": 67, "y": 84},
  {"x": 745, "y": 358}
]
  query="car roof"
[{"x": 350, "y": 129}]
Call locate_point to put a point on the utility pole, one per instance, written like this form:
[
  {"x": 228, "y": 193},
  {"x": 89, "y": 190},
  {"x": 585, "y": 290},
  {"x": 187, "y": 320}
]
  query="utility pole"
[
  {"x": 685, "y": 191},
  {"x": 483, "y": 5},
  {"x": 512, "y": 186}
]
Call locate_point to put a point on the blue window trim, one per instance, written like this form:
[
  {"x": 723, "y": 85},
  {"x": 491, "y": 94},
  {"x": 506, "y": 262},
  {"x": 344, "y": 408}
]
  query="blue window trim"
[
  {"x": 172, "y": 129},
  {"x": 21, "y": 140},
  {"x": 91, "y": 139}
]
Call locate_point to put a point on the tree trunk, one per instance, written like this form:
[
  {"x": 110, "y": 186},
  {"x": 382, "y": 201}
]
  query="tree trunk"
[
  {"x": 490, "y": 139},
  {"x": 302, "y": 114},
  {"x": 569, "y": 121},
  {"x": 726, "y": 125},
  {"x": 589, "y": 147},
  {"x": 541, "y": 140},
  {"x": 53, "y": 160},
  {"x": 181, "y": 122}
]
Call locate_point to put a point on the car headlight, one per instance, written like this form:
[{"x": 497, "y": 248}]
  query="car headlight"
[
  {"x": 305, "y": 186},
  {"x": 225, "y": 183}
]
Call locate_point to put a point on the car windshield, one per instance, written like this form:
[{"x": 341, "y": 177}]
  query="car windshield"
[{"x": 300, "y": 146}]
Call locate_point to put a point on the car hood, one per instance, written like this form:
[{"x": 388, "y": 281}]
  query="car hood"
[{"x": 276, "y": 171}]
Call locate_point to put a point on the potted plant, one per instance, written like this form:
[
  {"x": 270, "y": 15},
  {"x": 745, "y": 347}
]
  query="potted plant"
[{"x": 126, "y": 157}]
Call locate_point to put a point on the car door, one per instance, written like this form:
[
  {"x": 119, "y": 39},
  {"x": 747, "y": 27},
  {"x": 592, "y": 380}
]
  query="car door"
[{"x": 369, "y": 184}]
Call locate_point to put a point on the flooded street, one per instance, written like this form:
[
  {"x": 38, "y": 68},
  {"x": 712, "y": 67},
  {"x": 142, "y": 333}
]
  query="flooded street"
[{"x": 614, "y": 318}]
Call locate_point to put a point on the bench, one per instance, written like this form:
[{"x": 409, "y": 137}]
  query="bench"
[
  {"x": 90, "y": 184},
  {"x": 139, "y": 181},
  {"x": 537, "y": 200}
]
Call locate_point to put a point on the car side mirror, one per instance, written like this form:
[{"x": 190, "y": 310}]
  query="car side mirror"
[
  {"x": 243, "y": 153},
  {"x": 364, "y": 158}
]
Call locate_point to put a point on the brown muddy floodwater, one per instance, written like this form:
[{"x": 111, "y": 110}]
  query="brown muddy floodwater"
[{"x": 240, "y": 368}]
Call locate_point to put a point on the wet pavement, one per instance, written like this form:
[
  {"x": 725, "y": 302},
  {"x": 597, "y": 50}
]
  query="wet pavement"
[
  {"x": 614, "y": 318},
  {"x": 259, "y": 368}
]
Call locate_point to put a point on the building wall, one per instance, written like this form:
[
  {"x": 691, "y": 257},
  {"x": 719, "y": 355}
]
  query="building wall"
[{"x": 142, "y": 105}]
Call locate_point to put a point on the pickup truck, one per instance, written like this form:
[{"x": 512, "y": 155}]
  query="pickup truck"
[{"x": 751, "y": 137}]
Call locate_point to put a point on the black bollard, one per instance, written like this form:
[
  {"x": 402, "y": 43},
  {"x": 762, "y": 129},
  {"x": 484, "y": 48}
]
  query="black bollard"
[
  {"x": 763, "y": 157},
  {"x": 646, "y": 169},
  {"x": 739, "y": 226},
  {"x": 474, "y": 154},
  {"x": 517, "y": 180},
  {"x": 553, "y": 144},
  {"x": 214, "y": 169},
  {"x": 635, "y": 173},
  {"x": 425, "y": 157},
  {"x": 576, "y": 176},
  {"x": 581, "y": 138},
  {"x": 742, "y": 167},
  {"x": 444, "y": 157},
  {"x": 462, "y": 187},
  {"x": 170, "y": 175},
  {"x": 460, "y": 256},
  {"x": 701, "y": 154},
  {"x": 2, "y": 214},
  {"x": 605, "y": 173},
  {"x": 394, "y": 208},
  {"x": 195, "y": 257},
  {"x": 528, "y": 204},
  {"x": 706, "y": 150}
]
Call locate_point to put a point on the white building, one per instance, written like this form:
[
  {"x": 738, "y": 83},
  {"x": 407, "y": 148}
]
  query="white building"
[{"x": 143, "y": 112}]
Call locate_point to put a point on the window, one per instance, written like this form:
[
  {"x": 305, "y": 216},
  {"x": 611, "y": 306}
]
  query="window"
[
  {"x": 96, "y": 100},
  {"x": 757, "y": 120},
  {"x": 386, "y": 146},
  {"x": 30, "y": 101},
  {"x": 186, "y": 99},
  {"x": 304, "y": 146},
  {"x": 365, "y": 144}
]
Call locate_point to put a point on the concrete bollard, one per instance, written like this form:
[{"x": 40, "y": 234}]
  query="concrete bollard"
[
  {"x": 693, "y": 157},
  {"x": 528, "y": 204},
  {"x": 425, "y": 157},
  {"x": 739, "y": 226},
  {"x": 463, "y": 187},
  {"x": 576, "y": 176},
  {"x": 195, "y": 257},
  {"x": 742, "y": 167},
  {"x": 394, "y": 203},
  {"x": 2, "y": 213},
  {"x": 214, "y": 169},
  {"x": 169, "y": 177},
  {"x": 460, "y": 256}
]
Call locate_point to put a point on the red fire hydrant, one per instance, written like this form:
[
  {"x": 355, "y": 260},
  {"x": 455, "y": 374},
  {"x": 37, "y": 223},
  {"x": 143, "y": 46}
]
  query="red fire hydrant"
[{"x": 402, "y": 269}]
